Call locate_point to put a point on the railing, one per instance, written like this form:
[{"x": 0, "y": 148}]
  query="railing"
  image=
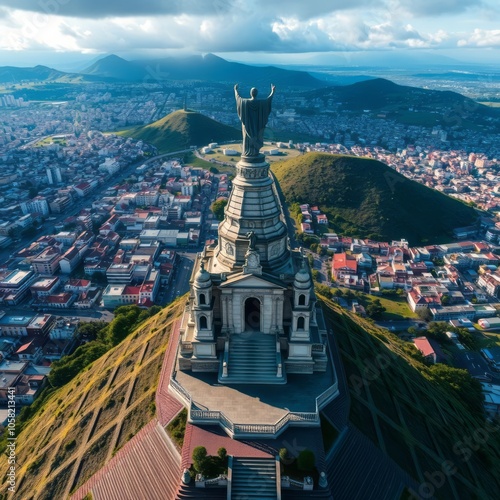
[
  {"x": 186, "y": 346},
  {"x": 225, "y": 361},
  {"x": 304, "y": 416},
  {"x": 181, "y": 391},
  {"x": 319, "y": 348},
  {"x": 216, "y": 481},
  {"x": 197, "y": 414},
  {"x": 325, "y": 396},
  {"x": 297, "y": 484},
  {"x": 229, "y": 476}
]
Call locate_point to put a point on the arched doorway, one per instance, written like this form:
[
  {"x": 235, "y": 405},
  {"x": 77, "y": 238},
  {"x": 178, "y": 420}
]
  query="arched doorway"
[{"x": 252, "y": 314}]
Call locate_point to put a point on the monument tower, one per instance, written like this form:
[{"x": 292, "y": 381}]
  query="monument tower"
[{"x": 251, "y": 315}]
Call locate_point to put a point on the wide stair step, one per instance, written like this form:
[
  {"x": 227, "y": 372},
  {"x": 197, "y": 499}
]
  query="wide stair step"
[
  {"x": 252, "y": 360},
  {"x": 254, "y": 478}
]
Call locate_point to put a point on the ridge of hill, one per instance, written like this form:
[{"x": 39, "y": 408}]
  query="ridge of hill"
[
  {"x": 428, "y": 419},
  {"x": 410, "y": 105},
  {"x": 182, "y": 129},
  {"x": 208, "y": 67},
  {"x": 114, "y": 67},
  {"x": 77, "y": 428},
  {"x": 366, "y": 198}
]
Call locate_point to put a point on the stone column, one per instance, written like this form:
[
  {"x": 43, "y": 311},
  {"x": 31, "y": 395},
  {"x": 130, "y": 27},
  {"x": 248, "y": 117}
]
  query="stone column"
[
  {"x": 274, "y": 314},
  {"x": 224, "y": 313},
  {"x": 230, "y": 323},
  {"x": 279, "y": 313}
]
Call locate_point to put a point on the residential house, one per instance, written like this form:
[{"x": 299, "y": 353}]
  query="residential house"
[
  {"x": 424, "y": 346},
  {"x": 343, "y": 265}
]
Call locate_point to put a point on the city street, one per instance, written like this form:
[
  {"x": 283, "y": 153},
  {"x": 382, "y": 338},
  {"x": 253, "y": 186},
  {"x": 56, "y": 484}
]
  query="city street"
[{"x": 179, "y": 283}]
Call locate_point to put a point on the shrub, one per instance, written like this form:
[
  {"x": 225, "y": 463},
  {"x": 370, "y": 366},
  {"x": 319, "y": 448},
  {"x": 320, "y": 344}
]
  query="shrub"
[
  {"x": 199, "y": 458},
  {"x": 306, "y": 460}
]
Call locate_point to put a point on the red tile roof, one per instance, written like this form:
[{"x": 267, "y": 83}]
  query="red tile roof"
[
  {"x": 424, "y": 346},
  {"x": 24, "y": 347},
  {"x": 341, "y": 260}
]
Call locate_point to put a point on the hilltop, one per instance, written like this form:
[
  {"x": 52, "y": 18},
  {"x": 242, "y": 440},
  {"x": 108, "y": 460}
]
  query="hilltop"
[
  {"x": 117, "y": 68},
  {"x": 409, "y": 105},
  {"x": 72, "y": 433},
  {"x": 366, "y": 198},
  {"x": 426, "y": 418},
  {"x": 182, "y": 129}
]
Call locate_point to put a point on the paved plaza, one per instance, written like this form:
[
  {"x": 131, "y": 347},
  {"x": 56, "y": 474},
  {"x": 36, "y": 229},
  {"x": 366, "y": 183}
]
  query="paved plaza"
[{"x": 256, "y": 404}]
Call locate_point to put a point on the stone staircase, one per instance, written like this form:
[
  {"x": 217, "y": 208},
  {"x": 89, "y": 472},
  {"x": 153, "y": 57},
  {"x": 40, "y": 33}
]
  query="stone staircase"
[
  {"x": 253, "y": 478},
  {"x": 252, "y": 359}
]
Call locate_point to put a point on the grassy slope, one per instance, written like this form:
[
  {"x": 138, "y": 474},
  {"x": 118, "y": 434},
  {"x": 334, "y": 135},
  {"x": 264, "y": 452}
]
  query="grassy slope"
[
  {"x": 120, "y": 386},
  {"x": 407, "y": 413},
  {"x": 366, "y": 198},
  {"x": 182, "y": 129}
]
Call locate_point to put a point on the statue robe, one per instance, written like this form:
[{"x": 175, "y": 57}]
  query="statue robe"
[{"x": 253, "y": 114}]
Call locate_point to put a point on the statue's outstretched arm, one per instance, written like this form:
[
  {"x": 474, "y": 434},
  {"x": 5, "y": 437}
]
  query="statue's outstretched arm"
[
  {"x": 273, "y": 88},
  {"x": 236, "y": 91}
]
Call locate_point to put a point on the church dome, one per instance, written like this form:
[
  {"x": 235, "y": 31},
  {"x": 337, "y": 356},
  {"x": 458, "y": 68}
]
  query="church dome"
[
  {"x": 202, "y": 277},
  {"x": 302, "y": 277}
]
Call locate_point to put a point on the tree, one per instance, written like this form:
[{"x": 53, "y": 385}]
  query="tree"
[
  {"x": 465, "y": 387},
  {"x": 306, "y": 460},
  {"x": 89, "y": 330},
  {"x": 283, "y": 453},
  {"x": 218, "y": 207},
  {"x": 413, "y": 331},
  {"x": 375, "y": 309},
  {"x": 424, "y": 314},
  {"x": 199, "y": 457},
  {"x": 222, "y": 454},
  {"x": 119, "y": 328},
  {"x": 445, "y": 300}
]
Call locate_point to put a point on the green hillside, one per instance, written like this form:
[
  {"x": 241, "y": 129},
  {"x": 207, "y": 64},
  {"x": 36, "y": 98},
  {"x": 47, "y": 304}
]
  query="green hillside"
[
  {"x": 410, "y": 105},
  {"x": 182, "y": 129},
  {"x": 75, "y": 430},
  {"x": 424, "y": 417},
  {"x": 366, "y": 198}
]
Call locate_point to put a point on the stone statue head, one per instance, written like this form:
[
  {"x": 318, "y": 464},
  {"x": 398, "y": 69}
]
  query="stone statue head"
[{"x": 253, "y": 92}]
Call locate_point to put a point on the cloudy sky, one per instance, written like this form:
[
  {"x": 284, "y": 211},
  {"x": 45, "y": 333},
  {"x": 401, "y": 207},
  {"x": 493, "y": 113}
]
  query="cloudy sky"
[{"x": 288, "y": 31}]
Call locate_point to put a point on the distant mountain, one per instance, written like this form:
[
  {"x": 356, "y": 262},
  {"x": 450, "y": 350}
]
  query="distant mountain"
[
  {"x": 42, "y": 74},
  {"x": 366, "y": 198},
  {"x": 11, "y": 74},
  {"x": 182, "y": 129},
  {"x": 116, "y": 68},
  {"x": 209, "y": 68}
]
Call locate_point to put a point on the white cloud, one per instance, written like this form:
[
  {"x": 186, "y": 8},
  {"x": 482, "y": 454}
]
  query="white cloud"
[
  {"x": 297, "y": 26},
  {"x": 481, "y": 38}
]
